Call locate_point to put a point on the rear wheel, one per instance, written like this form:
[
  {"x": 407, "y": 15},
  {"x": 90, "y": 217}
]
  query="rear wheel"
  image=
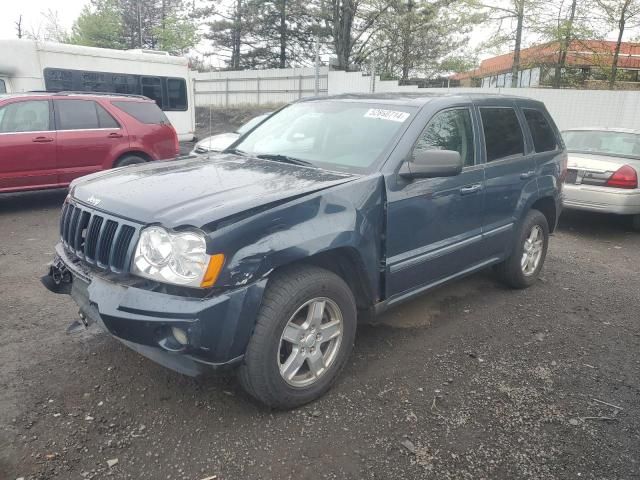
[
  {"x": 635, "y": 222},
  {"x": 523, "y": 266},
  {"x": 129, "y": 160},
  {"x": 302, "y": 339}
]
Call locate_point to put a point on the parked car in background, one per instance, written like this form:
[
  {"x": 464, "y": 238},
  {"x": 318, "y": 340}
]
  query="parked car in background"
[
  {"x": 217, "y": 143},
  {"x": 603, "y": 170},
  {"x": 330, "y": 209},
  {"x": 49, "y": 139},
  {"x": 58, "y": 67}
]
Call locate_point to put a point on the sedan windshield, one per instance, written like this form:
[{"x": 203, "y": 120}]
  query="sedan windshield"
[
  {"x": 619, "y": 144},
  {"x": 337, "y": 135}
]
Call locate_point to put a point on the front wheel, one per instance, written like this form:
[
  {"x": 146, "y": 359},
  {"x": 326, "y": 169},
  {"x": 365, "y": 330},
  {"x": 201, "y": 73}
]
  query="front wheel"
[
  {"x": 522, "y": 268},
  {"x": 302, "y": 339}
]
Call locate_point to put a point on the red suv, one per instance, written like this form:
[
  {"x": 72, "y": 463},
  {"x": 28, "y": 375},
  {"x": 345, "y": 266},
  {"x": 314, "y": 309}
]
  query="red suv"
[{"x": 48, "y": 139}]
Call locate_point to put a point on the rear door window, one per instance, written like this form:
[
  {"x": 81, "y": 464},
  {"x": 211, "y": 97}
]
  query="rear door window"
[
  {"x": 544, "y": 138},
  {"x": 105, "y": 120},
  {"x": 76, "y": 115},
  {"x": 502, "y": 133},
  {"x": 144, "y": 112},
  {"x": 27, "y": 116}
]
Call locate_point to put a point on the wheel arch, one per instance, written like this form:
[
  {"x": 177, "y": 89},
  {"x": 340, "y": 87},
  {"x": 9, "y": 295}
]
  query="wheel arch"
[
  {"x": 547, "y": 206},
  {"x": 348, "y": 265},
  {"x": 137, "y": 153}
]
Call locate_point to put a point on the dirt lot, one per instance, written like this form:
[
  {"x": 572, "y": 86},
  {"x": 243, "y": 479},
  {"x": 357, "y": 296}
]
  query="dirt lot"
[{"x": 473, "y": 381}]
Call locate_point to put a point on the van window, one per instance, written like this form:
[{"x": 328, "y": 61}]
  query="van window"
[
  {"x": 450, "y": 130},
  {"x": 76, "y": 115},
  {"x": 502, "y": 133},
  {"x": 544, "y": 138},
  {"x": 176, "y": 94},
  {"x": 145, "y": 112},
  {"x": 27, "y": 116},
  {"x": 3, "y": 86},
  {"x": 152, "y": 88}
]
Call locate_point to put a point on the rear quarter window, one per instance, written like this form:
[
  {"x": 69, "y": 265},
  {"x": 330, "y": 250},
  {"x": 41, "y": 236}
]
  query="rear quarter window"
[
  {"x": 544, "y": 138},
  {"x": 144, "y": 112}
]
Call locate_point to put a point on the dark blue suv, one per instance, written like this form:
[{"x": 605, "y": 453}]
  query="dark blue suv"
[{"x": 264, "y": 256}]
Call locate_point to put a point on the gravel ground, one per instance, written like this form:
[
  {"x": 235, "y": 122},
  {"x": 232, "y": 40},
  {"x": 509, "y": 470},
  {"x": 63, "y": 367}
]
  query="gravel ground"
[{"x": 471, "y": 381}]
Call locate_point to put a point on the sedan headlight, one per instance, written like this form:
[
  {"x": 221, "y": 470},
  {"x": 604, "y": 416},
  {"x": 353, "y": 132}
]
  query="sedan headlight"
[{"x": 179, "y": 258}]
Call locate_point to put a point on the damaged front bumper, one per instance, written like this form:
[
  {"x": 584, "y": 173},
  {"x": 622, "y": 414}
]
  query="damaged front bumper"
[{"x": 216, "y": 329}]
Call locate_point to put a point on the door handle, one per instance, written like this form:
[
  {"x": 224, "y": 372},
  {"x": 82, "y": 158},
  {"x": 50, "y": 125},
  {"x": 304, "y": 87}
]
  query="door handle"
[
  {"x": 115, "y": 135},
  {"x": 528, "y": 175},
  {"x": 42, "y": 140},
  {"x": 470, "y": 189}
]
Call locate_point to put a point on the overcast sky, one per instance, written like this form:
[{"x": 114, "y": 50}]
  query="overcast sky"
[
  {"x": 33, "y": 20},
  {"x": 31, "y": 11}
]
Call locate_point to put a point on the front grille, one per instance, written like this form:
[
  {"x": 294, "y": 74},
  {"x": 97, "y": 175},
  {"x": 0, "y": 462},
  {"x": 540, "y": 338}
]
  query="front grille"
[{"x": 96, "y": 238}]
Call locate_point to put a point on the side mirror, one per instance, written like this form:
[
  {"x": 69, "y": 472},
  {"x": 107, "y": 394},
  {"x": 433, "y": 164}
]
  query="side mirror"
[{"x": 432, "y": 164}]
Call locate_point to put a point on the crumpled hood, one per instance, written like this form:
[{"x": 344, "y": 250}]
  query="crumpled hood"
[{"x": 198, "y": 190}]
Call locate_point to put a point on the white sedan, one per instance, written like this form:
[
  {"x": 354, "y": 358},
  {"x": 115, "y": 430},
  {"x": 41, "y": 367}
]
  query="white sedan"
[
  {"x": 217, "y": 143},
  {"x": 603, "y": 170}
]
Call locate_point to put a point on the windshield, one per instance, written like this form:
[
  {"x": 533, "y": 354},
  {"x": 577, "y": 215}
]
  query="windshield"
[
  {"x": 336, "y": 135},
  {"x": 251, "y": 123},
  {"x": 602, "y": 142}
]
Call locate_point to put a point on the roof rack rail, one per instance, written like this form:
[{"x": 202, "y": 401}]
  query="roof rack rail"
[
  {"x": 78, "y": 92},
  {"x": 106, "y": 94}
]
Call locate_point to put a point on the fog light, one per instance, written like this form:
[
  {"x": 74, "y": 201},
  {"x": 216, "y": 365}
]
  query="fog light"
[{"x": 180, "y": 335}]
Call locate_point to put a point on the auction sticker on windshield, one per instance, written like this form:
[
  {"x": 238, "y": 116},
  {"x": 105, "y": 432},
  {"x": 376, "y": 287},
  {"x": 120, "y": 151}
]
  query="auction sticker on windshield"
[{"x": 392, "y": 115}]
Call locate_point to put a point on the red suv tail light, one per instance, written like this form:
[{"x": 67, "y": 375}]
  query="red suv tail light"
[
  {"x": 176, "y": 142},
  {"x": 624, "y": 177}
]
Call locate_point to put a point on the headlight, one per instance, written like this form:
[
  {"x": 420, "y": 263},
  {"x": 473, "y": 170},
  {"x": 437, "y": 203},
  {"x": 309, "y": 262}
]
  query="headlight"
[{"x": 178, "y": 258}]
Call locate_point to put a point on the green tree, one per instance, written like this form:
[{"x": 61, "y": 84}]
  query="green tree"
[
  {"x": 99, "y": 25},
  {"x": 511, "y": 18},
  {"x": 176, "y": 35},
  {"x": 562, "y": 24},
  {"x": 416, "y": 36},
  {"x": 149, "y": 24},
  {"x": 619, "y": 16},
  {"x": 261, "y": 33},
  {"x": 352, "y": 25}
]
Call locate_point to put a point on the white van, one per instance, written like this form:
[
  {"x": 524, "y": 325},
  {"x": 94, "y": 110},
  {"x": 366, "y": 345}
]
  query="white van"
[{"x": 27, "y": 65}]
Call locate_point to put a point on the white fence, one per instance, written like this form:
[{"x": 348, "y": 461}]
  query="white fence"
[
  {"x": 257, "y": 87},
  {"x": 569, "y": 108}
]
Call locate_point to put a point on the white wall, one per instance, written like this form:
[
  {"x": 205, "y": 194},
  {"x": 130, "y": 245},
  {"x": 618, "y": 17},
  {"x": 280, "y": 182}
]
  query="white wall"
[
  {"x": 575, "y": 108},
  {"x": 257, "y": 87},
  {"x": 569, "y": 108}
]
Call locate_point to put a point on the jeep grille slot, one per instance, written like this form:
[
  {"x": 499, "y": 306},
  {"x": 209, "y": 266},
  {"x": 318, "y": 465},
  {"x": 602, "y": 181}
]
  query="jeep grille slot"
[{"x": 96, "y": 238}]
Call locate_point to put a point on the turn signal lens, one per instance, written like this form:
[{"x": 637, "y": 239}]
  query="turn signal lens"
[
  {"x": 625, "y": 177},
  {"x": 213, "y": 270}
]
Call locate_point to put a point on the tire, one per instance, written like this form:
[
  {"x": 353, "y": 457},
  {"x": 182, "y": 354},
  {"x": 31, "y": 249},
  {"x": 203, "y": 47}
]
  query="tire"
[
  {"x": 513, "y": 272},
  {"x": 129, "y": 160},
  {"x": 635, "y": 223},
  {"x": 288, "y": 299}
]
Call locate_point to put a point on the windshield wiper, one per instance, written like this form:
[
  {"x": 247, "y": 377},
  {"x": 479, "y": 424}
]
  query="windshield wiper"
[
  {"x": 235, "y": 151},
  {"x": 285, "y": 159}
]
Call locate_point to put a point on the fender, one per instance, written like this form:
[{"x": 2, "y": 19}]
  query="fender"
[{"x": 348, "y": 216}]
